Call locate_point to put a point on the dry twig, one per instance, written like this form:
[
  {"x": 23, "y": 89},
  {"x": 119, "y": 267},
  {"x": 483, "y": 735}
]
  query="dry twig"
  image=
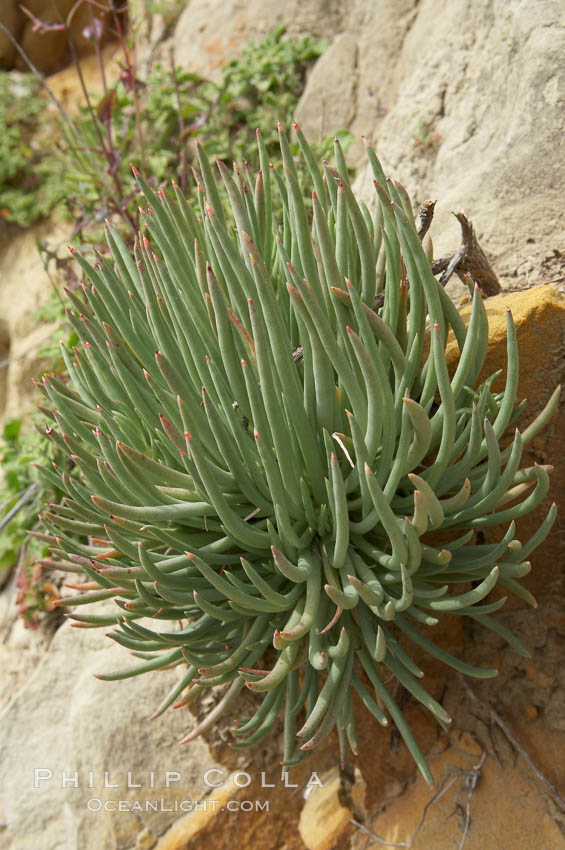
[
  {"x": 468, "y": 259},
  {"x": 470, "y": 779}
]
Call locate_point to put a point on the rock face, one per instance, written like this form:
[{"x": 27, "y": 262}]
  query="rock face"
[
  {"x": 48, "y": 49},
  {"x": 463, "y": 101},
  {"x": 21, "y": 338},
  {"x": 329, "y": 101},
  {"x": 211, "y": 32},
  {"x": 476, "y": 120},
  {"x": 64, "y": 724},
  {"x": 539, "y": 316},
  {"x": 9, "y": 17},
  {"x": 497, "y": 808},
  {"x": 324, "y": 819}
]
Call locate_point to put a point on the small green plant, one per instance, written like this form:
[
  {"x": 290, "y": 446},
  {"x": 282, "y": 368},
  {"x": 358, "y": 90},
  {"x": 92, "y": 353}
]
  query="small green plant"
[
  {"x": 170, "y": 10},
  {"x": 81, "y": 165},
  {"x": 156, "y": 124},
  {"x": 426, "y": 137},
  {"x": 21, "y": 498},
  {"x": 259, "y": 88},
  {"x": 19, "y": 488},
  {"x": 29, "y": 185},
  {"x": 36, "y": 595},
  {"x": 261, "y": 452}
]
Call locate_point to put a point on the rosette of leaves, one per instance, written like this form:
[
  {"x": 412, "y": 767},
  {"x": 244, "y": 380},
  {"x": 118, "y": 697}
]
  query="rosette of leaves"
[{"x": 264, "y": 431}]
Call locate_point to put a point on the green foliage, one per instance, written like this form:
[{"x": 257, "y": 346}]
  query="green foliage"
[
  {"x": 426, "y": 137},
  {"x": 36, "y": 596},
  {"x": 261, "y": 452},
  {"x": 21, "y": 497},
  {"x": 259, "y": 88},
  {"x": 170, "y": 10},
  {"x": 45, "y": 163},
  {"x": 16, "y": 458},
  {"x": 29, "y": 185}
]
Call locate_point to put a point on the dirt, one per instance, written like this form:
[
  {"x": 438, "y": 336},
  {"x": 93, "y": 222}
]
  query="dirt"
[
  {"x": 540, "y": 268},
  {"x": 499, "y": 774}
]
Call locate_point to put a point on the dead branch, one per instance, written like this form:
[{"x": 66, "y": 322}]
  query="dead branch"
[
  {"x": 470, "y": 780},
  {"x": 495, "y": 716},
  {"x": 468, "y": 259},
  {"x": 425, "y": 216},
  {"x": 552, "y": 790}
]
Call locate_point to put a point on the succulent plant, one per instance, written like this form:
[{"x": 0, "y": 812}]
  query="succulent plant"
[{"x": 263, "y": 431}]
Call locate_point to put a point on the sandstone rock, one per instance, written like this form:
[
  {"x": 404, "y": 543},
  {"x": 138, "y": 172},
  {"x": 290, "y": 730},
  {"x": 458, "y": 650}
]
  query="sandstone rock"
[
  {"x": 211, "y": 32},
  {"x": 4, "y": 357},
  {"x": 65, "y": 721},
  {"x": 48, "y": 49},
  {"x": 464, "y": 103},
  {"x": 66, "y": 86},
  {"x": 539, "y": 316},
  {"x": 506, "y": 809},
  {"x": 21, "y": 338},
  {"x": 154, "y": 30},
  {"x": 189, "y": 827},
  {"x": 535, "y": 681},
  {"x": 226, "y": 823},
  {"x": 324, "y": 819},
  {"x": 474, "y": 117},
  {"x": 21, "y": 649},
  {"x": 328, "y": 102},
  {"x": 9, "y": 15}
]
